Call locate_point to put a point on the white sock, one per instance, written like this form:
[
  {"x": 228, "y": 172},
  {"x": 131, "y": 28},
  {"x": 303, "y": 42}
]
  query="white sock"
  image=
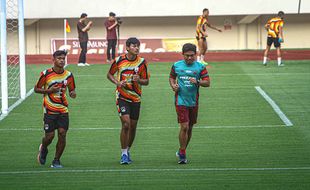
[
  {"x": 198, "y": 58},
  {"x": 265, "y": 60},
  {"x": 124, "y": 151},
  {"x": 202, "y": 58},
  {"x": 279, "y": 61}
]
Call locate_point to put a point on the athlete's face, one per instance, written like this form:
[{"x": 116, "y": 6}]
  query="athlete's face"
[
  {"x": 59, "y": 61},
  {"x": 133, "y": 49},
  {"x": 189, "y": 57},
  {"x": 206, "y": 13}
]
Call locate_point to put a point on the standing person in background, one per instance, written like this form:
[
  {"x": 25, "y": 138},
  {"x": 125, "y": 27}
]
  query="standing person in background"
[
  {"x": 53, "y": 84},
  {"x": 132, "y": 74},
  {"x": 111, "y": 25},
  {"x": 83, "y": 26},
  {"x": 186, "y": 77},
  {"x": 274, "y": 28},
  {"x": 201, "y": 34}
]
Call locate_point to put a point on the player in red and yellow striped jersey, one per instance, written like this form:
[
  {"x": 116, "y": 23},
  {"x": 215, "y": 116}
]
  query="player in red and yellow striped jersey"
[
  {"x": 274, "y": 28},
  {"x": 53, "y": 84},
  {"x": 132, "y": 73},
  {"x": 201, "y": 34}
]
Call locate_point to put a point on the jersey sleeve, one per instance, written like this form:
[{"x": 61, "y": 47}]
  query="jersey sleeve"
[
  {"x": 143, "y": 72},
  {"x": 173, "y": 74},
  {"x": 113, "y": 68},
  {"x": 71, "y": 83},
  {"x": 204, "y": 75},
  {"x": 42, "y": 80}
]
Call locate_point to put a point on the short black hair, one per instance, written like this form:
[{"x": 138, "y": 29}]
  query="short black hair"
[
  {"x": 83, "y": 15},
  {"x": 132, "y": 40},
  {"x": 205, "y": 9},
  {"x": 189, "y": 47},
  {"x": 59, "y": 53},
  {"x": 112, "y": 14},
  {"x": 280, "y": 13}
]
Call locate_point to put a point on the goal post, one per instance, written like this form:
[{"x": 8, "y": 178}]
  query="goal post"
[{"x": 13, "y": 68}]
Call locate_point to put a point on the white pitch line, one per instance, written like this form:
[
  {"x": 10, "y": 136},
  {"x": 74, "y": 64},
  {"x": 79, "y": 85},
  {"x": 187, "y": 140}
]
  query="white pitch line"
[
  {"x": 151, "y": 170},
  {"x": 275, "y": 107},
  {"x": 147, "y": 128}
]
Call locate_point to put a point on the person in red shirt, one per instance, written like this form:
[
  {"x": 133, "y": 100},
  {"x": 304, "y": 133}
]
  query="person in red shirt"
[
  {"x": 83, "y": 26},
  {"x": 111, "y": 25}
]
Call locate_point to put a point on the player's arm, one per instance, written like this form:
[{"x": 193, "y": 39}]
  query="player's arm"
[
  {"x": 52, "y": 89},
  {"x": 281, "y": 34},
  {"x": 110, "y": 76},
  {"x": 71, "y": 87},
  {"x": 213, "y": 27},
  {"x": 38, "y": 88},
  {"x": 142, "y": 76},
  {"x": 204, "y": 79},
  {"x": 172, "y": 80}
]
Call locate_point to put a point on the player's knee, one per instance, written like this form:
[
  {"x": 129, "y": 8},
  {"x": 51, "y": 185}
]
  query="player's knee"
[{"x": 125, "y": 125}]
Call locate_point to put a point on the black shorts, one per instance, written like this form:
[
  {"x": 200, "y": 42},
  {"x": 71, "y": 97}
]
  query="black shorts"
[
  {"x": 55, "y": 121},
  {"x": 128, "y": 108},
  {"x": 274, "y": 41}
]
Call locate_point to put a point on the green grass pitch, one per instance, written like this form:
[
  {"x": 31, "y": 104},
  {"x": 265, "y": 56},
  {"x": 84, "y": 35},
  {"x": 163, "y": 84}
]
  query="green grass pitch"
[{"x": 238, "y": 143}]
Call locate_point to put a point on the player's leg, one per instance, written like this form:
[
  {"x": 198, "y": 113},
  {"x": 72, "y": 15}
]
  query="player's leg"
[
  {"x": 124, "y": 112},
  {"x": 200, "y": 48},
  {"x": 63, "y": 126},
  {"x": 193, "y": 113},
  {"x": 269, "y": 43},
  {"x": 134, "y": 117},
  {"x": 205, "y": 48},
  {"x": 183, "y": 120},
  {"x": 277, "y": 45},
  {"x": 49, "y": 127}
]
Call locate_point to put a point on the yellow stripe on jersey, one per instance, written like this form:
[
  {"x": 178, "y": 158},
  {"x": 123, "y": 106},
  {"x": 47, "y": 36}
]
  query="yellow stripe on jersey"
[{"x": 274, "y": 24}]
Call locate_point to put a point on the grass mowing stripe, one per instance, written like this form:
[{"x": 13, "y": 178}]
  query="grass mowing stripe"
[
  {"x": 148, "y": 128},
  {"x": 151, "y": 170},
  {"x": 275, "y": 107},
  {"x": 2, "y": 116}
]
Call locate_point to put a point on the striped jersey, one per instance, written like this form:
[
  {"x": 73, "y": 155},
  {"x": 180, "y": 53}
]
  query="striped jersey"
[
  {"x": 56, "y": 103},
  {"x": 188, "y": 93},
  {"x": 201, "y": 21},
  {"x": 274, "y": 24},
  {"x": 125, "y": 70}
]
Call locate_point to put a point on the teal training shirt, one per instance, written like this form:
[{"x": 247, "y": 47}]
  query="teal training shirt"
[{"x": 188, "y": 92}]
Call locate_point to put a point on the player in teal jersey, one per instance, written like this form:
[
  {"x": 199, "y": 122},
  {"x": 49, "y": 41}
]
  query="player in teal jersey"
[{"x": 186, "y": 76}]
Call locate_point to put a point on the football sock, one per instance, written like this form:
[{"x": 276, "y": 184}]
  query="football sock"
[
  {"x": 202, "y": 58},
  {"x": 198, "y": 58},
  {"x": 124, "y": 151},
  {"x": 182, "y": 151},
  {"x": 265, "y": 60},
  {"x": 279, "y": 60}
]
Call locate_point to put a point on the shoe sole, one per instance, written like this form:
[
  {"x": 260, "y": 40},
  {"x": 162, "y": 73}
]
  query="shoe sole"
[
  {"x": 182, "y": 162},
  {"x": 52, "y": 166}
]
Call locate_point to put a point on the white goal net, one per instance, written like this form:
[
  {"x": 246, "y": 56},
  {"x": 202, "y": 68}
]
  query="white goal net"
[{"x": 12, "y": 53}]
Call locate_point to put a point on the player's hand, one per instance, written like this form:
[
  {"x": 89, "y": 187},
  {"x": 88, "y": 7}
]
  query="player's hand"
[
  {"x": 136, "y": 78},
  {"x": 121, "y": 83},
  {"x": 175, "y": 87},
  {"x": 72, "y": 94},
  {"x": 53, "y": 89},
  {"x": 281, "y": 40},
  {"x": 90, "y": 23},
  {"x": 193, "y": 80}
]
